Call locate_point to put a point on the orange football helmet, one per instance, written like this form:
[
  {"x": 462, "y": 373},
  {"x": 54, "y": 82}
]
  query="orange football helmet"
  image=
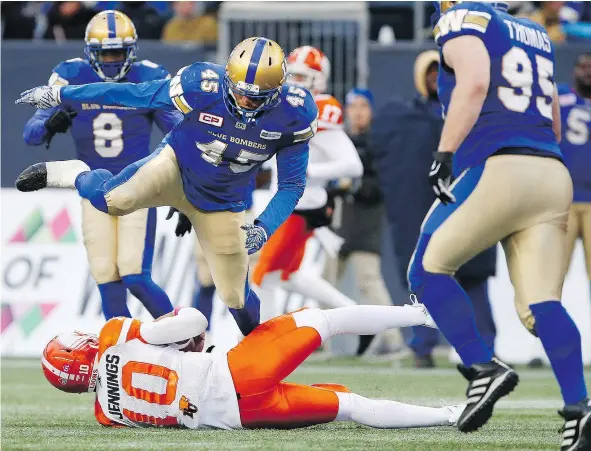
[
  {"x": 308, "y": 67},
  {"x": 69, "y": 362}
]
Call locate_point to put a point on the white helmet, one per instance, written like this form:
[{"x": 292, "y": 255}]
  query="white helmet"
[{"x": 311, "y": 64}]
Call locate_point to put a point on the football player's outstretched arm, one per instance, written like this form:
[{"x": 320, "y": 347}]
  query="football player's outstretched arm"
[
  {"x": 469, "y": 58},
  {"x": 35, "y": 132},
  {"x": 343, "y": 159},
  {"x": 291, "y": 180},
  {"x": 151, "y": 94},
  {"x": 187, "y": 323}
]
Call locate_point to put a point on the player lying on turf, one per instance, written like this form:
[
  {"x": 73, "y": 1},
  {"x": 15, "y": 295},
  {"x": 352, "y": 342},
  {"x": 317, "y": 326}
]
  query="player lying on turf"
[{"x": 141, "y": 380}]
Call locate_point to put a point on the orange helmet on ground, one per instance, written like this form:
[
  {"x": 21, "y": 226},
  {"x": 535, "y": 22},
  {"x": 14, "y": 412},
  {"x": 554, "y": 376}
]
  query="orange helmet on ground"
[
  {"x": 69, "y": 362},
  {"x": 308, "y": 67}
]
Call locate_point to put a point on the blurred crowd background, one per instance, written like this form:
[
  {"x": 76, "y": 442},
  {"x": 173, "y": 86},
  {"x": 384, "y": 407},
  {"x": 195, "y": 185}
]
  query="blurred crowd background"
[{"x": 187, "y": 21}]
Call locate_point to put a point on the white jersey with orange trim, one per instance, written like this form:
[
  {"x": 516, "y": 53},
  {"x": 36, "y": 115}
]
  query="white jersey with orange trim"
[
  {"x": 140, "y": 384},
  {"x": 332, "y": 155}
]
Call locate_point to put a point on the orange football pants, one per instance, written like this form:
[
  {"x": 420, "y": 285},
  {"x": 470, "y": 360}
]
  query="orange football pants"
[
  {"x": 285, "y": 249},
  {"x": 258, "y": 366}
]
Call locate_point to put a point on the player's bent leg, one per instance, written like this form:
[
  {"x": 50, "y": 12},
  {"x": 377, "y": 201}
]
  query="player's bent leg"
[
  {"x": 289, "y": 406},
  {"x": 151, "y": 182},
  {"x": 486, "y": 211},
  {"x": 380, "y": 413},
  {"x": 99, "y": 232},
  {"x": 223, "y": 244},
  {"x": 535, "y": 258},
  {"x": 136, "y": 237}
]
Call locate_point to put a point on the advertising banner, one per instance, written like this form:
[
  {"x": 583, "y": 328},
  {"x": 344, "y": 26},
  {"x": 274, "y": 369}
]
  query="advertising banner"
[{"x": 47, "y": 287}]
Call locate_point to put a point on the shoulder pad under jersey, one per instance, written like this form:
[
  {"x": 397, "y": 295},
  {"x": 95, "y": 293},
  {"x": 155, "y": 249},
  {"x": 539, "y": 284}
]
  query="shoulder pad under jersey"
[
  {"x": 330, "y": 112},
  {"x": 196, "y": 85},
  {"x": 466, "y": 18},
  {"x": 146, "y": 70},
  {"x": 70, "y": 71},
  {"x": 299, "y": 111}
]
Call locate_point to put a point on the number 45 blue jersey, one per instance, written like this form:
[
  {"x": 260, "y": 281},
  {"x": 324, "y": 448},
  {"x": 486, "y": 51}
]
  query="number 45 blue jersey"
[
  {"x": 105, "y": 136},
  {"x": 517, "y": 114},
  {"x": 217, "y": 153}
]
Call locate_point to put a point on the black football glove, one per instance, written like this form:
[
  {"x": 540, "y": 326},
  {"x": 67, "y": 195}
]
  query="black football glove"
[
  {"x": 183, "y": 225},
  {"x": 59, "y": 122},
  {"x": 440, "y": 176}
]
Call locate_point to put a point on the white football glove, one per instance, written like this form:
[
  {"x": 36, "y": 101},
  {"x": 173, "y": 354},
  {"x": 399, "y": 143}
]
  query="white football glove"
[{"x": 41, "y": 97}]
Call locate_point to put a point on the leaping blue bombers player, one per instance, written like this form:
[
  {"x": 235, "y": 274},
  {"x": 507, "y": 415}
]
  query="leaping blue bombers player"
[
  {"x": 119, "y": 250},
  {"x": 235, "y": 118},
  {"x": 500, "y": 142}
]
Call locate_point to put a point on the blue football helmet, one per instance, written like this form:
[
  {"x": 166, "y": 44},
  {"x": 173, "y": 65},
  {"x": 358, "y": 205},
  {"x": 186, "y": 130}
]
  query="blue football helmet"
[
  {"x": 110, "y": 31},
  {"x": 257, "y": 70}
]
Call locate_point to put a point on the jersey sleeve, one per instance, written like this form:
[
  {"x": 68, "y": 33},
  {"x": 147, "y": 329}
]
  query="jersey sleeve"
[
  {"x": 466, "y": 18},
  {"x": 66, "y": 72},
  {"x": 330, "y": 113},
  {"x": 118, "y": 330},
  {"x": 194, "y": 85},
  {"x": 184, "y": 324}
]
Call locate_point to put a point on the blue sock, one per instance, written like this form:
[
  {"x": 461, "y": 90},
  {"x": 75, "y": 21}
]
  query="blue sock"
[
  {"x": 203, "y": 301},
  {"x": 452, "y": 310},
  {"x": 562, "y": 342},
  {"x": 248, "y": 317},
  {"x": 91, "y": 186},
  {"x": 151, "y": 295},
  {"x": 114, "y": 299}
]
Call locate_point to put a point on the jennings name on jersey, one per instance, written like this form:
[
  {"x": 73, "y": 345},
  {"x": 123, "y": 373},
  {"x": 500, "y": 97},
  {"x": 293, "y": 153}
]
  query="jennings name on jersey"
[
  {"x": 140, "y": 385},
  {"x": 218, "y": 154},
  {"x": 517, "y": 111},
  {"x": 106, "y": 136}
]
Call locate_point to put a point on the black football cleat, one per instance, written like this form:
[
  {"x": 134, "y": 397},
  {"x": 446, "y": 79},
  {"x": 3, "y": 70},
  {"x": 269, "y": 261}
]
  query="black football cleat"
[
  {"x": 576, "y": 433},
  {"x": 33, "y": 178},
  {"x": 488, "y": 382}
]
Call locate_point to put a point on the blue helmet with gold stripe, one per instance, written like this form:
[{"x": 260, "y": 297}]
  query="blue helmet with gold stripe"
[
  {"x": 255, "y": 73},
  {"x": 111, "y": 43},
  {"x": 442, "y": 6}
]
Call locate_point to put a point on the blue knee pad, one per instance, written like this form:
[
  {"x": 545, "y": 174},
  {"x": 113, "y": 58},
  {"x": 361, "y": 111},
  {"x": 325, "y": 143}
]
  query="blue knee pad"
[
  {"x": 150, "y": 295},
  {"x": 92, "y": 186}
]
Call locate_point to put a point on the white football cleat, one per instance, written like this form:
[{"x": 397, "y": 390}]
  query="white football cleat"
[
  {"x": 416, "y": 304},
  {"x": 454, "y": 412}
]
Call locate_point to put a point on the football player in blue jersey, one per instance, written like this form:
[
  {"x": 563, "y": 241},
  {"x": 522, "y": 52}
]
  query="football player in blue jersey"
[
  {"x": 119, "y": 250},
  {"x": 235, "y": 118},
  {"x": 500, "y": 142},
  {"x": 575, "y": 111}
]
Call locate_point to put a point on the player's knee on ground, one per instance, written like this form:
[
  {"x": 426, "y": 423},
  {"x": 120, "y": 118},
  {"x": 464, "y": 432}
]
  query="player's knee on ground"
[
  {"x": 104, "y": 270},
  {"x": 316, "y": 319}
]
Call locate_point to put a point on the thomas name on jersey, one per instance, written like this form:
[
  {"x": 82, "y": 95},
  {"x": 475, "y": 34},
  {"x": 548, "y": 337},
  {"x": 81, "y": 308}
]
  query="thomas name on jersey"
[{"x": 456, "y": 20}]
